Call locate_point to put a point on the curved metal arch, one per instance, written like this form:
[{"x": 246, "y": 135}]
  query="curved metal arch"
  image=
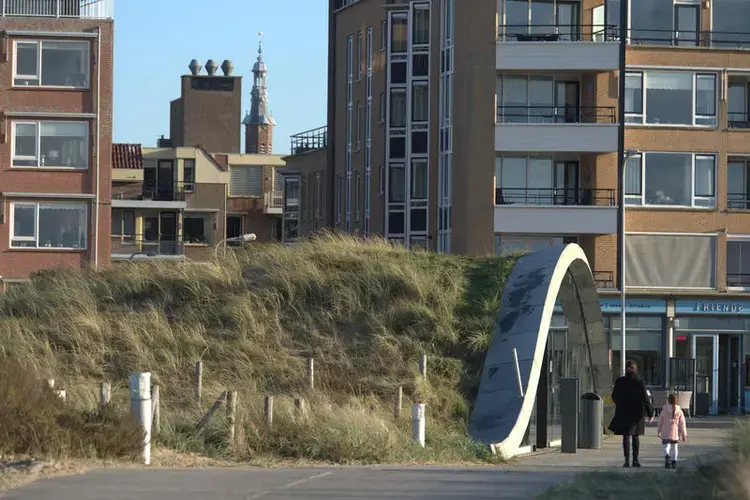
[{"x": 501, "y": 415}]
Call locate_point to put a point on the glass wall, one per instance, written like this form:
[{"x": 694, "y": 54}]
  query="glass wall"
[
  {"x": 651, "y": 22},
  {"x": 731, "y": 23},
  {"x": 644, "y": 344}
]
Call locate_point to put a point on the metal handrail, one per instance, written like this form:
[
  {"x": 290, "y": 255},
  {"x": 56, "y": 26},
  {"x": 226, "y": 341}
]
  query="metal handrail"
[
  {"x": 739, "y": 201},
  {"x": 557, "y": 33},
  {"x": 697, "y": 38},
  {"x": 738, "y": 280},
  {"x": 738, "y": 120},
  {"x": 128, "y": 244},
  {"x": 148, "y": 192},
  {"x": 310, "y": 140},
  {"x": 555, "y": 196},
  {"x": 556, "y": 114},
  {"x": 604, "y": 279}
]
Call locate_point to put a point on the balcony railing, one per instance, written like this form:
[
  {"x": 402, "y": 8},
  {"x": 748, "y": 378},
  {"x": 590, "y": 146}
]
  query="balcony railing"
[
  {"x": 274, "y": 199},
  {"x": 555, "y": 197},
  {"x": 605, "y": 280},
  {"x": 150, "y": 192},
  {"x": 738, "y": 280},
  {"x": 83, "y": 9},
  {"x": 151, "y": 247},
  {"x": 738, "y": 201},
  {"x": 556, "y": 114},
  {"x": 309, "y": 140},
  {"x": 557, "y": 33},
  {"x": 689, "y": 38},
  {"x": 738, "y": 120}
]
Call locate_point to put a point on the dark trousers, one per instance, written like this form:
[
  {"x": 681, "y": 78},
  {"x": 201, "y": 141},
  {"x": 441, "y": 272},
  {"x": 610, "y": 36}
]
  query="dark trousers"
[{"x": 626, "y": 439}]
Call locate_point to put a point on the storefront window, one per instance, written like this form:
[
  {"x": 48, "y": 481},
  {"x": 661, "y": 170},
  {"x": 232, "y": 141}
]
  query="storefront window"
[{"x": 644, "y": 344}]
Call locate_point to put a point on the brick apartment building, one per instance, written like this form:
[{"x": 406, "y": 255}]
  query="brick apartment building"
[
  {"x": 182, "y": 198},
  {"x": 493, "y": 126},
  {"x": 56, "y": 100}
]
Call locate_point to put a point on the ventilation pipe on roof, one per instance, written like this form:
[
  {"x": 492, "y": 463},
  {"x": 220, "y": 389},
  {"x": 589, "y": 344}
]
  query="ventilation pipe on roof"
[
  {"x": 211, "y": 67},
  {"x": 195, "y": 67}
]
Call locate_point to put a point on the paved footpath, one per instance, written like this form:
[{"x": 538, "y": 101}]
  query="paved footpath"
[{"x": 525, "y": 478}]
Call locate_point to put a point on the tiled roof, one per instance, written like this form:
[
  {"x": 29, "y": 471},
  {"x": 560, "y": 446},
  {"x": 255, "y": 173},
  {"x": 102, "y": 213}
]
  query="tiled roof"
[{"x": 127, "y": 156}]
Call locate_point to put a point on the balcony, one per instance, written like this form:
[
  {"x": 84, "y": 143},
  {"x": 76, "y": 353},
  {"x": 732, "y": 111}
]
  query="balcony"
[
  {"x": 605, "y": 280},
  {"x": 147, "y": 195},
  {"x": 81, "y": 9},
  {"x": 273, "y": 203},
  {"x": 738, "y": 201},
  {"x": 556, "y": 129},
  {"x": 555, "y": 211},
  {"x": 690, "y": 38},
  {"x": 310, "y": 140},
  {"x": 139, "y": 247},
  {"x": 557, "y": 47}
]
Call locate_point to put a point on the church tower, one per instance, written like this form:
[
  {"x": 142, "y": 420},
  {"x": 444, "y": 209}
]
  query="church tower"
[{"x": 259, "y": 123}]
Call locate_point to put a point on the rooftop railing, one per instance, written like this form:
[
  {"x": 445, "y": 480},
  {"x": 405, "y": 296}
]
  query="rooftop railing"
[
  {"x": 82, "y": 9},
  {"x": 309, "y": 140}
]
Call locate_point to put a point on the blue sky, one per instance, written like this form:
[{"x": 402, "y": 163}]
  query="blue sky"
[{"x": 156, "y": 39}]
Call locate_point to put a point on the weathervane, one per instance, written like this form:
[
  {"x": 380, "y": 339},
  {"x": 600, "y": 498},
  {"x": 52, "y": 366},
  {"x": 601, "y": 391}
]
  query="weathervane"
[{"x": 260, "y": 42}]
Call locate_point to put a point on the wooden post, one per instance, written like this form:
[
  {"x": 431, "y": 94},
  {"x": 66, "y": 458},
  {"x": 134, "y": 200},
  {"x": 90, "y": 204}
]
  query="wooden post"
[
  {"x": 423, "y": 365},
  {"x": 155, "y": 409},
  {"x": 299, "y": 406},
  {"x": 198, "y": 381},
  {"x": 231, "y": 414},
  {"x": 140, "y": 408},
  {"x": 210, "y": 413},
  {"x": 105, "y": 394},
  {"x": 311, "y": 373},
  {"x": 399, "y": 402},
  {"x": 268, "y": 411}
]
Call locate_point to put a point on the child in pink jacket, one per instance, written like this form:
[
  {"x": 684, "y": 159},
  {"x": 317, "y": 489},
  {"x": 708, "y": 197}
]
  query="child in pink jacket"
[{"x": 671, "y": 430}]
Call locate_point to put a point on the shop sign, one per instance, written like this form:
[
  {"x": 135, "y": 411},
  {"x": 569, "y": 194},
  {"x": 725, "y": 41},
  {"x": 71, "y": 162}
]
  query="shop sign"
[{"x": 712, "y": 307}]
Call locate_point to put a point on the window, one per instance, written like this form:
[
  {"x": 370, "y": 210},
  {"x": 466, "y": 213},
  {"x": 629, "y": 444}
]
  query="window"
[
  {"x": 51, "y": 144},
  {"x": 194, "y": 229},
  {"x": 420, "y": 102},
  {"x": 671, "y": 98},
  {"x": 599, "y": 28},
  {"x": 729, "y": 23},
  {"x": 383, "y": 34},
  {"x": 360, "y": 54},
  {"x": 738, "y": 180},
  {"x": 48, "y": 225},
  {"x": 680, "y": 261},
  {"x": 123, "y": 223},
  {"x": 737, "y": 103},
  {"x": 738, "y": 263},
  {"x": 644, "y": 344},
  {"x": 399, "y": 30},
  {"x": 339, "y": 197},
  {"x": 671, "y": 179},
  {"x": 651, "y": 22},
  {"x": 189, "y": 175},
  {"x": 398, "y": 108},
  {"x": 530, "y": 99},
  {"x": 421, "y": 25},
  {"x": 507, "y": 244},
  {"x": 419, "y": 183},
  {"x": 52, "y": 64},
  {"x": 382, "y": 107},
  {"x": 358, "y": 125},
  {"x": 357, "y": 188},
  {"x": 397, "y": 183},
  {"x": 381, "y": 179},
  {"x": 246, "y": 181}
]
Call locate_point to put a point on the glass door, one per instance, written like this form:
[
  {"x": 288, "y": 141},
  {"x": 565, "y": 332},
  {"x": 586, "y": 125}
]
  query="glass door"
[
  {"x": 566, "y": 183},
  {"x": 568, "y": 21},
  {"x": 567, "y": 101},
  {"x": 168, "y": 234},
  {"x": 706, "y": 353},
  {"x": 687, "y": 24},
  {"x": 165, "y": 180}
]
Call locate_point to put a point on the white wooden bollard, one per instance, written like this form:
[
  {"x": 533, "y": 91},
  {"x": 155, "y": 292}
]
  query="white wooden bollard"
[
  {"x": 105, "y": 393},
  {"x": 418, "y": 423},
  {"x": 140, "y": 408},
  {"x": 51, "y": 383},
  {"x": 198, "y": 380},
  {"x": 311, "y": 373},
  {"x": 423, "y": 365}
]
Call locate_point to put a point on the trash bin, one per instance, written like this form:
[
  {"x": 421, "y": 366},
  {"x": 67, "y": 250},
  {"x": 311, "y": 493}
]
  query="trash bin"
[{"x": 590, "y": 422}]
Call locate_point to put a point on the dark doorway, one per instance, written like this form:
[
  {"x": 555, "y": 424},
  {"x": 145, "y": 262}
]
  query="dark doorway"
[{"x": 234, "y": 226}]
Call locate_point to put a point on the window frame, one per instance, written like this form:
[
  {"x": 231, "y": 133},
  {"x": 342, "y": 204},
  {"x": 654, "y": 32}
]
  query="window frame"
[
  {"x": 735, "y": 238},
  {"x": 38, "y": 206},
  {"x": 640, "y": 119},
  {"x": 39, "y": 42},
  {"x": 639, "y": 201},
  {"x": 206, "y": 235},
  {"x": 38, "y": 125},
  {"x": 188, "y": 185}
]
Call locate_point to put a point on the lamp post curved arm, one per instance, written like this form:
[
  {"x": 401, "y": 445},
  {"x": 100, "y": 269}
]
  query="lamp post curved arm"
[{"x": 245, "y": 238}]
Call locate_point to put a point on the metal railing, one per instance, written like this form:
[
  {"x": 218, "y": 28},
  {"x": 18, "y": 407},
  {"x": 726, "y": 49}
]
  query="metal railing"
[
  {"x": 738, "y": 120},
  {"x": 605, "y": 280},
  {"x": 689, "y": 38},
  {"x": 556, "y": 197},
  {"x": 738, "y": 201},
  {"x": 150, "y": 192},
  {"x": 139, "y": 244},
  {"x": 738, "y": 280},
  {"x": 274, "y": 199},
  {"x": 83, "y": 9},
  {"x": 556, "y": 114},
  {"x": 557, "y": 33},
  {"x": 309, "y": 140}
]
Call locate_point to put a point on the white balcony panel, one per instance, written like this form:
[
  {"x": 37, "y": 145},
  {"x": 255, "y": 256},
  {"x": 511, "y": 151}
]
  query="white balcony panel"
[
  {"x": 551, "y": 138},
  {"x": 143, "y": 204},
  {"x": 524, "y": 219},
  {"x": 563, "y": 56}
]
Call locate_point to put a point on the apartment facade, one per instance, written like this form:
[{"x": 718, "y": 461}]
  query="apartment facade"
[
  {"x": 493, "y": 126},
  {"x": 55, "y": 152}
]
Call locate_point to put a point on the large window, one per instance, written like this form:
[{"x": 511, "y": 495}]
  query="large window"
[
  {"x": 673, "y": 261},
  {"x": 644, "y": 344},
  {"x": 52, "y": 63},
  {"x": 536, "y": 180},
  {"x": 196, "y": 229},
  {"x": 509, "y": 244},
  {"x": 123, "y": 223},
  {"x": 738, "y": 183},
  {"x": 48, "y": 225},
  {"x": 737, "y": 102},
  {"x": 671, "y": 179},
  {"x": 729, "y": 24},
  {"x": 651, "y": 22},
  {"x": 738, "y": 263},
  {"x": 51, "y": 144},
  {"x": 670, "y": 98}
]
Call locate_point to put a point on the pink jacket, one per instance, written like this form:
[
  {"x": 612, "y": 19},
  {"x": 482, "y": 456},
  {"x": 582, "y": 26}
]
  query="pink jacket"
[{"x": 673, "y": 429}]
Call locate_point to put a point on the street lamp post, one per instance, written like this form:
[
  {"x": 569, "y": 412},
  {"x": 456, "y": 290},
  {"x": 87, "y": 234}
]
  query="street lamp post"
[
  {"x": 625, "y": 157},
  {"x": 622, "y": 160},
  {"x": 242, "y": 238}
]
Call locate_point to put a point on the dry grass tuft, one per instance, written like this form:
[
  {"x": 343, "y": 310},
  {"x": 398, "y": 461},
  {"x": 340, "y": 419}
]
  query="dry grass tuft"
[{"x": 364, "y": 310}]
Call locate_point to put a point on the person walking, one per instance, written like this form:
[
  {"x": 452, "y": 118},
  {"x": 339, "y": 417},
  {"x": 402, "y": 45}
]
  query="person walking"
[
  {"x": 632, "y": 405},
  {"x": 671, "y": 430}
]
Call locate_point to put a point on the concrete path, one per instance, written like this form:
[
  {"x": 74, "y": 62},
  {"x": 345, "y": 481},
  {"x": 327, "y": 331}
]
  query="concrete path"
[{"x": 525, "y": 478}]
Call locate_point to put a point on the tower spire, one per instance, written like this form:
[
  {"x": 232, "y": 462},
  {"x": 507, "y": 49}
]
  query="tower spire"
[{"x": 259, "y": 123}]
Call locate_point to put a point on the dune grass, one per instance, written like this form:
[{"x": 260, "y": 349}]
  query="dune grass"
[{"x": 365, "y": 311}]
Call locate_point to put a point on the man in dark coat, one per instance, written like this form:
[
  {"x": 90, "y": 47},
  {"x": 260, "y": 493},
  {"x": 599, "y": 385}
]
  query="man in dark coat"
[{"x": 632, "y": 404}]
